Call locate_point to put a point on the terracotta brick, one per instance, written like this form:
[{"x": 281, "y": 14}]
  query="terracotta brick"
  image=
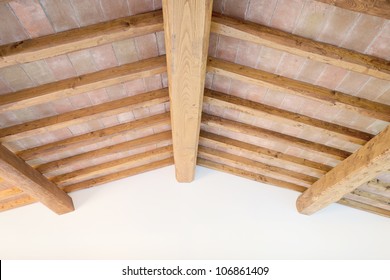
[
  {"x": 162, "y": 128},
  {"x": 125, "y": 51},
  {"x": 311, "y": 71},
  {"x": 309, "y": 108},
  {"x": 143, "y": 132},
  {"x": 247, "y": 54},
  {"x": 140, "y": 6},
  {"x": 157, "y": 4},
  {"x": 244, "y": 90},
  {"x": 164, "y": 79},
  {"x": 380, "y": 46},
  {"x": 157, "y": 109},
  {"x": 312, "y": 19},
  {"x": 61, "y": 67},
  {"x": 268, "y": 59},
  {"x": 160, "y": 42},
  {"x": 85, "y": 127},
  {"x": 104, "y": 57},
  {"x": 261, "y": 11},
  {"x": 373, "y": 89},
  {"x": 141, "y": 113},
  {"x": 114, "y": 8},
  {"x": 246, "y": 118},
  {"x": 10, "y": 27},
  {"x": 218, "y": 6},
  {"x": 293, "y": 103},
  {"x": 39, "y": 72},
  {"x": 98, "y": 96},
  {"x": 109, "y": 121},
  {"x": 116, "y": 92},
  {"x": 8, "y": 119},
  {"x": 153, "y": 83},
  {"x": 61, "y": 134},
  {"x": 134, "y": 87},
  {"x": 361, "y": 122},
  {"x": 88, "y": 12},
  {"x": 61, "y": 14},
  {"x": 208, "y": 80},
  {"x": 62, "y": 105},
  {"x": 221, "y": 83},
  {"x": 82, "y": 62},
  {"x": 25, "y": 115},
  {"x": 345, "y": 117},
  {"x": 43, "y": 110},
  {"x": 230, "y": 114},
  {"x": 377, "y": 126},
  {"x": 290, "y": 65},
  {"x": 369, "y": 26},
  {"x": 339, "y": 24},
  {"x": 227, "y": 48},
  {"x": 385, "y": 97},
  {"x": 215, "y": 110},
  {"x": 126, "y": 117},
  {"x": 80, "y": 100},
  {"x": 331, "y": 77},
  {"x": 30, "y": 142},
  {"x": 15, "y": 78},
  {"x": 352, "y": 83},
  {"x": 213, "y": 44},
  {"x": 274, "y": 98},
  {"x": 286, "y": 14},
  {"x": 146, "y": 46},
  {"x": 235, "y": 8},
  {"x": 32, "y": 17},
  {"x": 4, "y": 88}
]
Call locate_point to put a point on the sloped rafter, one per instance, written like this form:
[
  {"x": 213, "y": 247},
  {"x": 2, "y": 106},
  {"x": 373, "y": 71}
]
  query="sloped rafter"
[
  {"x": 80, "y": 38},
  {"x": 294, "y": 44},
  {"x": 187, "y": 29},
  {"x": 321, "y": 94},
  {"x": 55, "y": 122},
  {"x": 29, "y": 180},
  {"x": 285, "y": 117},
  {"x": 359, "y": 168},
  {"x": 84, "y": 83}
]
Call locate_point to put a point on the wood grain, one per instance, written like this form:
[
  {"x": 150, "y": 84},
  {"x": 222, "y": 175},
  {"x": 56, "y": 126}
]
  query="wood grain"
[{"x": 187, "y": 32}]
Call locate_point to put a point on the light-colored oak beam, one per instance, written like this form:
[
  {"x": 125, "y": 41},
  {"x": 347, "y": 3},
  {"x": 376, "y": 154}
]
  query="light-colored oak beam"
[
  {"x": 285, "y": 117},
  {"x": 239, "y": 127},
  {"x": 84, "y": 83},
  {"x": 359, "y": 168},
  {"x": 94, "y": 136},
  {"x": 294, "y": 44},
  {"x": 33, "y": 183},
  {"x": 187, "y": 32},
  {"x": 83, "y": 115},
  {"x": 321, "y": 94},
  {"x": 80, "y": 38},
  {"x": 379, "y": 8}
]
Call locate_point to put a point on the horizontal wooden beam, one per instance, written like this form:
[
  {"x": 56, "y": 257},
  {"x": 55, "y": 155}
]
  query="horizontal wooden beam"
[
  {"x": 262, "y": 168},
  {"x": 294, "y": 44},
  {"x": 9, "y": 192},
  {"x": 56, "y": 122},
  {"x": 80, "y": 38},
  {"x": 265, "y": 153},
  {"x": 93, "y": 137},
  {"x": 187, "y": 33},
  {"x": 121, "y": 147},
  {"x": 259, "y": 178},
  {"x": 23, "y": 200},
  {"x": 327, "y": 151},
  {"x": 84, "y": 83},
  {"x": 111, "y": 166},
  {"x": 321, "y": 94},
  {"x": 33, "y": 183},
  {"x": 285, "y": 117},
  {"x": 359, "y": 168},
  {"x": 379, "y": 8}
]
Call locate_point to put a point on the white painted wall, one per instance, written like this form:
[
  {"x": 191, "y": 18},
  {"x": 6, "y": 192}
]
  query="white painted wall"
[{"x": 218, "y": 216}]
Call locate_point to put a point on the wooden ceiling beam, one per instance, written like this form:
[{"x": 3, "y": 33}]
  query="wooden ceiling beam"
[
  {"x": 83, "y": 115},
  {"x": 297, "y": 45},
  {"x": 326, "y": 96},
  {"x": 84, "y": 83},
  {"x": 80, "y": 38},
  {"x": 187, "y": 32},
  {"x": 121, "y": 147},
  {"x": 112, "y": 166},
  {"x": 259, "y": 178},
  {"x": 359, "y": 168},
  {"x": 9, "y": 192},
  {"x": 378, "y": 8},
  {"x": 93, "y": 137},
  {"x": 239, "y": 127},
  {"x": 33, "y": 183},
  {"x": 262, "y": 168},
  {"x": 268, "y": 154},
  {"x": 285, "y": 117}
]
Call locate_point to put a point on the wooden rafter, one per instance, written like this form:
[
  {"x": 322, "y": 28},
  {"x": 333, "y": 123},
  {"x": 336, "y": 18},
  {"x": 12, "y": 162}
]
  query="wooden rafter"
[
  {"x": 273, "y": 135},
  {"x": 285, "y": 117},
  {"x": 187, "y": 29},
  {"x": 32, "y": 182},
  {"x": 379, "y": 8},
  {"x": 80, "y": 38},
  {"x": 356, "y": 170},
  {"x": 93, "y": 137},
  {"x": 84, "y": 83},
  {"x": 321, "y": 94},
  {"x": 294, "y": 44},
  {"x": 112, "y": 108}
]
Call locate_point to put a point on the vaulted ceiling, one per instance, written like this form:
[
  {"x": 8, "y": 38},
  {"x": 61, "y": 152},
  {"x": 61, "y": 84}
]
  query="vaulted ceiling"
[{"x": 292, "y": 93}]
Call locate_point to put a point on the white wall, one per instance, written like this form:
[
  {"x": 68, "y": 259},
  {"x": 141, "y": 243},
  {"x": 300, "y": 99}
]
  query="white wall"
[{"x": 218, "y": 216}]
